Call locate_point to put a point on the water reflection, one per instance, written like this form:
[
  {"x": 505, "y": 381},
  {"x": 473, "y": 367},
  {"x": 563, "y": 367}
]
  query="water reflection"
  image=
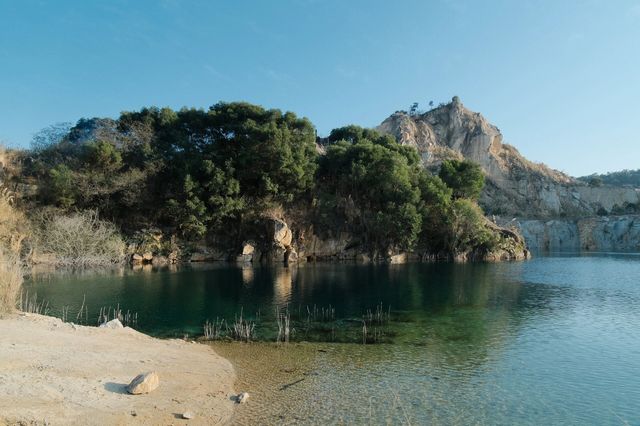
[{"x": 550, "y": 341}]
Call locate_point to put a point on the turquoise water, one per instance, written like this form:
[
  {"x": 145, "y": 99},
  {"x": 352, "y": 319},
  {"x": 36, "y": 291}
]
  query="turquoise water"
[{"x": 554, "y": 340}]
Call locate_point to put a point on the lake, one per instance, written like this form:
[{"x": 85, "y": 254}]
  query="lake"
[{"x": 553, "y": 340}]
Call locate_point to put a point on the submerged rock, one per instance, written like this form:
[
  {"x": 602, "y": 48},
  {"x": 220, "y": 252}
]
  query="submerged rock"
[{"x": 144, "y": 383}]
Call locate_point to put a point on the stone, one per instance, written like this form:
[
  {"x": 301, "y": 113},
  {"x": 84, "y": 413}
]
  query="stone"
[
  {"x": 188, "y": 415},
  {"x": 291, "y": 256},
  {"x": 113, "y": 324},
  {"x": 160, "y": 261},
  {"x": 398, "y": 258},
  {"x": 147, "y": 257},
  {"x": 144, "y": 383},
  {"x": 136, "y": 259},
  {"x": 282, "y": 235},
  {"x": 248, "y": 249},
  {"x": 242, "y": 398}
]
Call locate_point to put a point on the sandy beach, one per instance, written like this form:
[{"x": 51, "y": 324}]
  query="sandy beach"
[{"x": 57, "y": 373}]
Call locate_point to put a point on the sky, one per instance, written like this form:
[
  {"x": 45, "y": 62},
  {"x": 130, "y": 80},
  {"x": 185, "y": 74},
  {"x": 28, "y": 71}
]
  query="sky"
[{"x": 561, "y": 79}]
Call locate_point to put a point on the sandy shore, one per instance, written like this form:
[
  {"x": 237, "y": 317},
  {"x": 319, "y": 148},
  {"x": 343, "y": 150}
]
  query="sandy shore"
[{"x": 57, "y": 373}]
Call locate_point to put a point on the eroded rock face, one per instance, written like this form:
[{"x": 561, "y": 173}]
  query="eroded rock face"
[
  {"x": 144, "y": 383},
  {"x": 616, "y": 233},
  {"x": 515, "y": 186}
]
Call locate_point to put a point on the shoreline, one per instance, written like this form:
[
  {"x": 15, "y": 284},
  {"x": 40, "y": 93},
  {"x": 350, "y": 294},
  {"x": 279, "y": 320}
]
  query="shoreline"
[{"x": 59, "y": 373}]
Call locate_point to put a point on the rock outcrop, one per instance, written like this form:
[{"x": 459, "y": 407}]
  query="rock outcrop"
[
  {"x": 614, "y": 233},
  {"x": 515, "y": 186}
]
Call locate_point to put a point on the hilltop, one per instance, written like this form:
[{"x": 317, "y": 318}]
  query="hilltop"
[{"x": 514, "y": 186}]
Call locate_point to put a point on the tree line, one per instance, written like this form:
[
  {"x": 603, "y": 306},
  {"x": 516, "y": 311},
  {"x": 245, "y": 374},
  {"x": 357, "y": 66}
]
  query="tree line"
[{"x": 209, "y": 174}]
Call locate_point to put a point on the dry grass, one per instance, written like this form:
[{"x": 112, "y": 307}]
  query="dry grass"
[
  {"x": 12, "y": 232},
  {"x": 10, "y": 281},
  {"x": 13, "y": 225}
]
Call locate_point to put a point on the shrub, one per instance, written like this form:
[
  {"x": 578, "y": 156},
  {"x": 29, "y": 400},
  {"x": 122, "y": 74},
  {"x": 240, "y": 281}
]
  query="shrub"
[{"x": 78, "y": 239}]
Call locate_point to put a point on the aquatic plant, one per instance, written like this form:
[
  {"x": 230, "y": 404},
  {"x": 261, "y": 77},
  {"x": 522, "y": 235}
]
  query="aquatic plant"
[
  {"x": 32, "y": 305},
  {"x": 128, "y": 319},
  {"x": 213, "y": 330},
  {"x": 242, "y": 329},
  {"x": 284, "y": 324}
]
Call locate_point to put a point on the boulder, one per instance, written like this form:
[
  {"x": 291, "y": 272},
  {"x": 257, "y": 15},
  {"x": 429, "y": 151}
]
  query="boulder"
[
  {"x": 160, "y": 261},
  {"x": 147, "y": 257},
  {"x": 113, "y": 324},
  {"x": 398, "y": 258},
  {"x": 282, "y": 235},
  {"x": 248, "y": 253},
  {"x": 144, "y": 383},
  {"x": 188, "y": 415},
  {"x": 136, "y": 259},
  {"x": 291, "y": 256}
]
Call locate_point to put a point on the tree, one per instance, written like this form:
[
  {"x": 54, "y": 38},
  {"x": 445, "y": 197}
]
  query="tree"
[
  {"x": 465, "y": 178},
  {"x": 60, "y": 188},
  {"x": 371, "y": 186}
]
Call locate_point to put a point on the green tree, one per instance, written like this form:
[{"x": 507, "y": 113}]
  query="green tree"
[
  {"x": 60, "y": 188},
  {"x": 371, "y": 186},
  {"x": 465, "y": 178}
]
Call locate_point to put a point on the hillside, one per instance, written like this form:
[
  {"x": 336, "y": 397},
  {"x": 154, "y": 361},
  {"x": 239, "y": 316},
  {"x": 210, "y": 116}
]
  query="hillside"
[
  {"x": 624, "y": 178},
  {"x": 515, "y": 185}
]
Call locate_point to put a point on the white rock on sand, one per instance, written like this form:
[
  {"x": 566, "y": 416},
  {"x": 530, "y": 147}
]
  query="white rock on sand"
[
  {"x": 144, "y": 383},
  {"x": 51, "y": 373}
]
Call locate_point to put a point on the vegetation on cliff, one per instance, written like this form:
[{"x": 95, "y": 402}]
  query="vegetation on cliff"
[
  {"x": 211, "y": 175},
  {"x": 626, "y": 178}
]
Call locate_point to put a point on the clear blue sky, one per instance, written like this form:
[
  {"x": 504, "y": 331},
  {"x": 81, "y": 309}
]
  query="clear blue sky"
[{"x": 561, "y": 79}]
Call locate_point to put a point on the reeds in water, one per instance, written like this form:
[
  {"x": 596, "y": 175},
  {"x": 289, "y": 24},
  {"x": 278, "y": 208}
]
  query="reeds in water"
[
  {"x": 373, "y": 323},
  {"x": 128, "y": 319},
  {"x": 32, "y": 305},
  {"x": 213, "y": 330},
  {"x": 284, "y": 324},
  {"x": 242, "y": 329},
  {"x": 321, "y": 313}
]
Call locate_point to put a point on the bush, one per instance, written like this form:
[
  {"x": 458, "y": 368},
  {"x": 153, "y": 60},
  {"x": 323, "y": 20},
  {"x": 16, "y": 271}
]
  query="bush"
[
  {"x": 78, "y": 239},
  {"x": 468, "y": 228}
]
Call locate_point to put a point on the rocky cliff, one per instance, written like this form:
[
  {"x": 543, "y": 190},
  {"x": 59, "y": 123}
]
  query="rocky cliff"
[
  {"x": 515, "y": 186},
  {"x": 614, "y": 233}
]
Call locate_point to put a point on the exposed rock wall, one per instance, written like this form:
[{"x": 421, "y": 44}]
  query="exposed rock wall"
[
  {"x": 614, "y": 233},
  {"x": 515, "y": 185}
]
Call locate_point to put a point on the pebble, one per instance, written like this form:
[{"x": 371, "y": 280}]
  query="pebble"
[{"x": 243, "y": 397}]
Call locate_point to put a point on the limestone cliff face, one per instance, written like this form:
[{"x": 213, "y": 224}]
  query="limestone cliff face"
[
  {"x": 614, "y": 233},
  {"x": 515, "y": 186}
]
